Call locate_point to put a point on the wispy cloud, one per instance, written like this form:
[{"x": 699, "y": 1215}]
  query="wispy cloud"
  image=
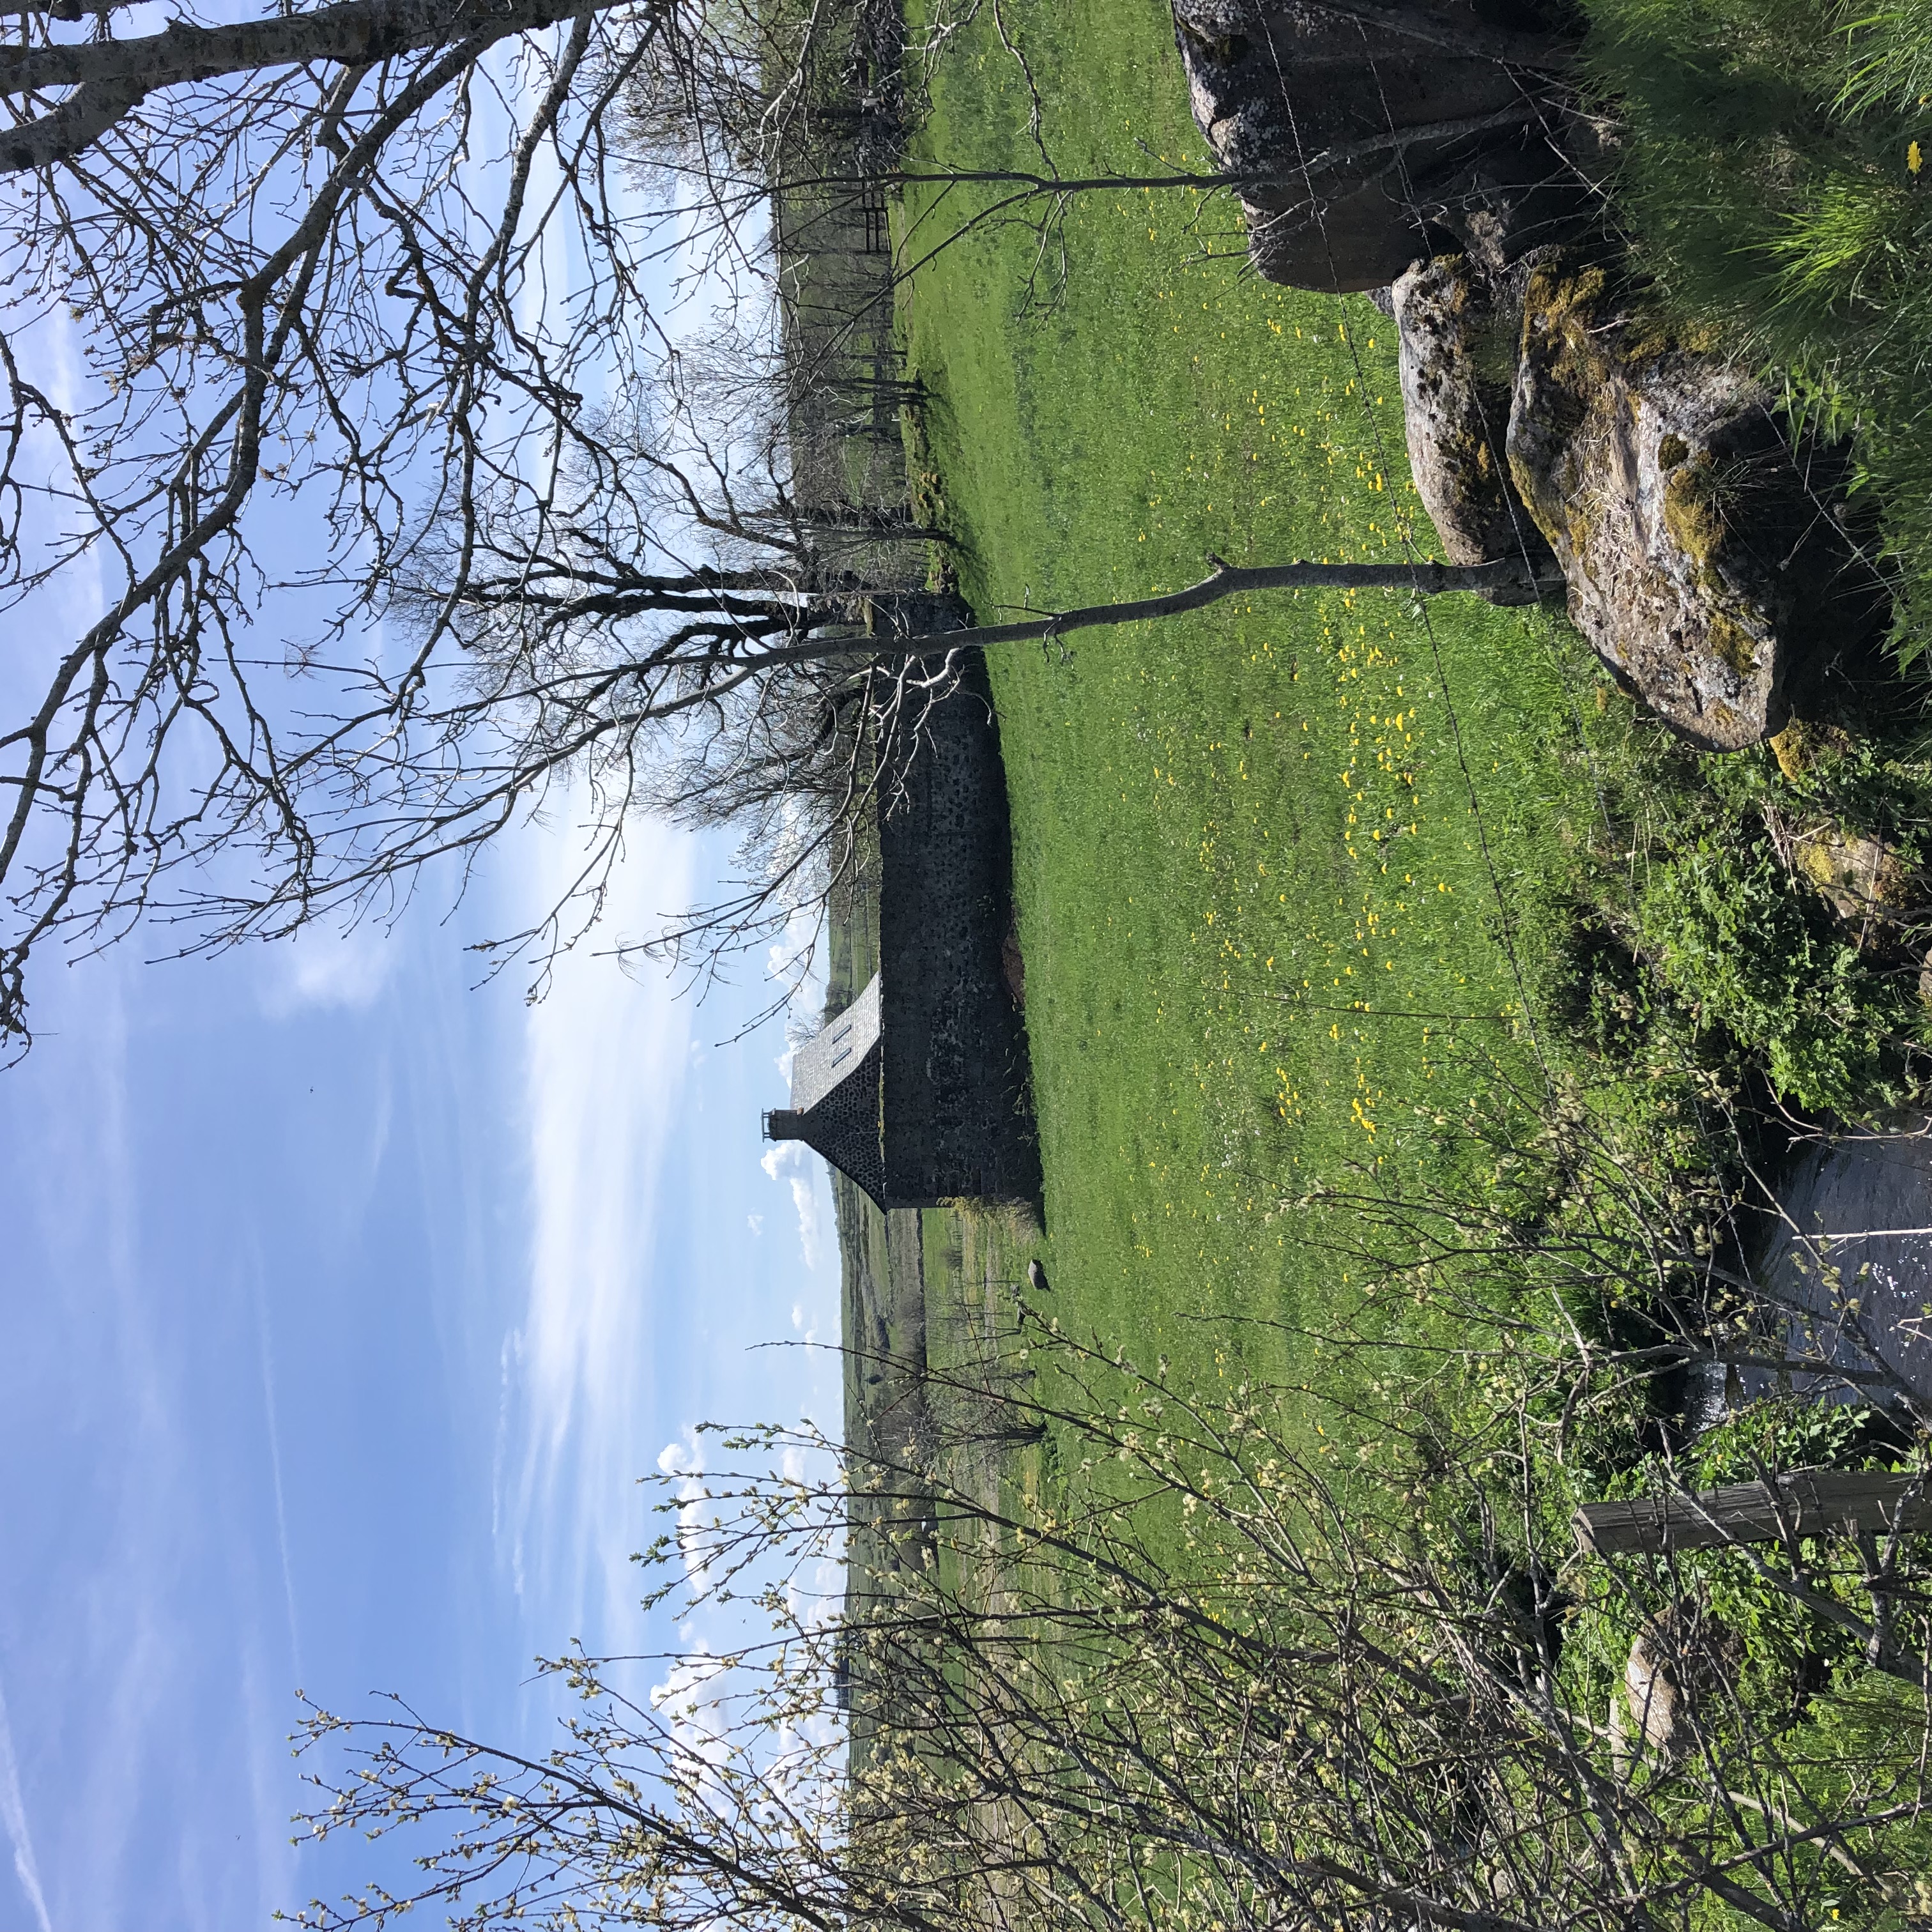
[
  {"x": 608, "y": 1056},
  {"x": 684, "y": 1462},
  {"x": 13, "y": 1816},
  {"x": 320, "y": 970},
  {"x": 274, "y": 1441},
  {"x": 791, "y": 1162}
]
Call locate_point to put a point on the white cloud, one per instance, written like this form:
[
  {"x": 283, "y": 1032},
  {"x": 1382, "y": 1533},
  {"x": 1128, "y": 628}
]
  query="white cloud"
[
  {"x": 321, "y": 971},
  {"x": 13, "y": 1816},
  {"x": 606, "y": 1060},
  {"x": 274, "y": 1441},
  {"x": 707, "y": 1693},
  {"x": 696, "y": 1523},
  {"x": 790, "y": 1161},
  {"x": 797, "y": 959},
  {"x": 691, "y": 1701}
]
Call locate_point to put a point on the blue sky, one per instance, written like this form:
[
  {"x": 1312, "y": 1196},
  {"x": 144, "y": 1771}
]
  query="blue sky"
[{"x": 343, "y": 1304}]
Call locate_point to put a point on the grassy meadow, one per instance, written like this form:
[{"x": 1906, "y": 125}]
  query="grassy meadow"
[
  {"x": 1280, "y": 867},
  {"x": 1805, "y": 126},
  {"x": 1328, "y": 902}
]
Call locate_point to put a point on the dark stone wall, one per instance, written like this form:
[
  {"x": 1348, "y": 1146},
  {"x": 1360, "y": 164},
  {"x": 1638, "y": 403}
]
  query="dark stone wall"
[{"x": 957, "y": 1110}]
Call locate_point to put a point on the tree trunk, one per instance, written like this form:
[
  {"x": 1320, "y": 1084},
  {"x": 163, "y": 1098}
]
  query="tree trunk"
[
  {"x": 110, "y": 78},
  {"x": 1510, "y": 581}
]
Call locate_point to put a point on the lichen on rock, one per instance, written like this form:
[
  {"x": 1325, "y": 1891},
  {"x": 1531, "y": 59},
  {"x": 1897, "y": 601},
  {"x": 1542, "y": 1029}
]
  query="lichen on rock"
[
  {"x": 1458, "y": 344},
  {"x": 1862, "y": 879},
  {"x": 1700, "y": 559},
  {"x": 1805, "y": 745},
  {"x": 1437, "y": 153}
]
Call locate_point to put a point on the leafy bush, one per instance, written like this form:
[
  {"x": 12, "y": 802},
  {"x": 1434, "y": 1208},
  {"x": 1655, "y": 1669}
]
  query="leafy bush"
[
  {"x": 1737, "y": 941},
  {"x": 1788, "y": 1645},
  {"x": 1593, "y": 988},
  {"x": 1794, "y": 1432},
  {"x": 1790, "y": 1656}
]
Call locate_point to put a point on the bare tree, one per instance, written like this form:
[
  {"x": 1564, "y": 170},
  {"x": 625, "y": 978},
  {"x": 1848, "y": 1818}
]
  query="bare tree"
[
  {"x": 361, "y": 495},
  {"x": 344, "y": 287},
  {"x": 1199, "y": 1663},
  {"x": 1215, "y": 1678}
]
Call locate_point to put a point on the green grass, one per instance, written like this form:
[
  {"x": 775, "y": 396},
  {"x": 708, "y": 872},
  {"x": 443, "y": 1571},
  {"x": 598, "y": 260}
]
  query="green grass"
[
  {"x": 1308, "y": 885},
  {"x": 1775, "y": 183},
  {"x": 1267, "y": 857}
]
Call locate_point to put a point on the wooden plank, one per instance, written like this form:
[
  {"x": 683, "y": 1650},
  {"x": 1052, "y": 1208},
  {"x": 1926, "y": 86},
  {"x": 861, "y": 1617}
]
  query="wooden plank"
[{"x": 1808, "y": 1503}]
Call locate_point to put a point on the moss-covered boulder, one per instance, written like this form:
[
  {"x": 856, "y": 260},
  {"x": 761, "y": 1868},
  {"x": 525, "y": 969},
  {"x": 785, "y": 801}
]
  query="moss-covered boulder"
[
  {"x": 1805, "y": 747},
  {"x": 1458, "y": 334},
  {"x": 1866, "y": 882},
  {"x": 1703, "y": 556}
]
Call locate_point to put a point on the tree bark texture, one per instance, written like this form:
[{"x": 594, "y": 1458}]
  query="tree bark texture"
[
  {"x": 110, "y": 78},
  {"x": 1807, "y": 1502}
]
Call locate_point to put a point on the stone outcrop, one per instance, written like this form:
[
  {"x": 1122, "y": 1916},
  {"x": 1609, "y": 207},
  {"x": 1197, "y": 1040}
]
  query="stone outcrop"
[
  {"x": 1706, "y": 562},
  {"x": 1367, "y": 133},
  {"x": 1433, "y": 146},
  {"x": 1700, "y": 558},
  {"x": 1458, "y": 345},
  {"x": 1804, "y": 746},
  {"x": 1866, "y": 882},
  {"x": 1874, "y": 884}
]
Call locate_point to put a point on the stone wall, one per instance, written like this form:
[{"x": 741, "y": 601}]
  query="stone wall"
[
  {"x": 844, "y": 374},
  {"x": 957, "y": 1108}
]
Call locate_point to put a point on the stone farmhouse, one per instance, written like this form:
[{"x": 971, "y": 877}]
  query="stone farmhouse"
[{"x": 917, "y": 1090}]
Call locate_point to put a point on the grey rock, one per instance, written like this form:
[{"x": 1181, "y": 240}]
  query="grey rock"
[
  {"x": 1679, "y": 1662},
  {"x": 1868, "y": 882},
  {"x": 1433, "y": 147},
  {"x": 1369, "y": 133},
  {"x": 1702, "y": 560},
  {"x": 1458, "y": 340}
]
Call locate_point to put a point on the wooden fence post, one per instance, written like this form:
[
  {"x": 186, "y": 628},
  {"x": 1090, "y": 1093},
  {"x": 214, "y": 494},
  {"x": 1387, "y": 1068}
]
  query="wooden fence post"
[{"x": 1806, "y": 1502}]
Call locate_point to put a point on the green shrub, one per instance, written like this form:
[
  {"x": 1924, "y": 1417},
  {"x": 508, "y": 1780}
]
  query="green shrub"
[
  {"x": 1790, "y": 1646},
  {"x": 1741, "y": 944},
  {"x": 1793, "y": 1662},
  {"x": 1593, "y": 988},
  {"x": 1793, "y": 1432}
]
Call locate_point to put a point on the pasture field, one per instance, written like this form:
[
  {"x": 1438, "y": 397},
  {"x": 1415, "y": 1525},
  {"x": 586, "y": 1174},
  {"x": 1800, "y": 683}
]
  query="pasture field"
[
  {"x": 1284, "y": 869},
  {"x": 1327, "y": 900}
]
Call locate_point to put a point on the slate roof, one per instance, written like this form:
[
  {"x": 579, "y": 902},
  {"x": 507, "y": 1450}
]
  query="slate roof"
[{"x": 827, "y": 1057}]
